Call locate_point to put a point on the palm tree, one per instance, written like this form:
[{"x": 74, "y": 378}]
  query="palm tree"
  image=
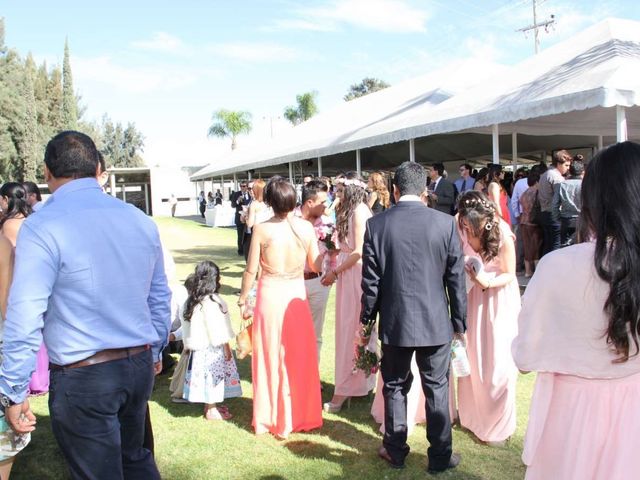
[
  {"x": 228, "y": 123},
  {"x": 306, "y": 108}
]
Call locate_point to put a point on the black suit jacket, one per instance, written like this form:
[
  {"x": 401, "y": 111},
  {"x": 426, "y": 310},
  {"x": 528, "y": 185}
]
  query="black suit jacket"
[
  {"x": 238, "y": 199},
  {"x": 413, "y": 276},
  {"x": 446, "y": 192}
]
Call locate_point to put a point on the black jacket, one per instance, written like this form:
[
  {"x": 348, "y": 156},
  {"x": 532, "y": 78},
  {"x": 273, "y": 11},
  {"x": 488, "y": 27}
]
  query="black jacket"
[{"x": 413, "y": 276}]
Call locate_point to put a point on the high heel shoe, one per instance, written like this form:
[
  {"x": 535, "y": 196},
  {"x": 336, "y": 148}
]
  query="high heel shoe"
[{"x": 335, "y": 407}]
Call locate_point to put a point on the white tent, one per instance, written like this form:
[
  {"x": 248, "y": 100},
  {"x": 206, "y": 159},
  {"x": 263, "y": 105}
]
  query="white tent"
[{"x": 586, "y": 89}]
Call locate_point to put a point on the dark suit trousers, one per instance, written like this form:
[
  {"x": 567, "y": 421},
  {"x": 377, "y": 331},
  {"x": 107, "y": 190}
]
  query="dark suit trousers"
[
  {"x": 240, "y": 232},
  {"x": 433, "y": 364}
]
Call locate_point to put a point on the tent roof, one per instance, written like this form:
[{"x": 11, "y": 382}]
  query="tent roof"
[{"x": 566, "y": 89}]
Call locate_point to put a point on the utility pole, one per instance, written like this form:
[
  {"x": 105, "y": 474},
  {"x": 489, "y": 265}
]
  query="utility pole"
[{"x": 536, "y": 26}]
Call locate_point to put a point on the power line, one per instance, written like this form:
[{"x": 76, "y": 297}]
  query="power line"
[{"x": 537, "y": 26}]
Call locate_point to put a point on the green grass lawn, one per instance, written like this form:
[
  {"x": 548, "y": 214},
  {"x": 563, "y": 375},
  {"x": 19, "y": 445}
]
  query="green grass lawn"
[{"x": 187, "y": 447}]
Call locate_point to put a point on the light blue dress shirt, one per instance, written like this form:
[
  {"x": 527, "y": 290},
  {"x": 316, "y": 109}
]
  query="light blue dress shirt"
[{"x": 89, "y": 275}]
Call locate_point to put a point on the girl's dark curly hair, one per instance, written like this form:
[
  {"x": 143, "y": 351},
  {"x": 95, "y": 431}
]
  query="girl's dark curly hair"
[
  {"x": 481, "y": 216},
  {"x": 16, "y": 201},
  {"x": 203, "y": 283},
  {"x": 353, "y": 195},
  {"x": 610, "y": 216}
]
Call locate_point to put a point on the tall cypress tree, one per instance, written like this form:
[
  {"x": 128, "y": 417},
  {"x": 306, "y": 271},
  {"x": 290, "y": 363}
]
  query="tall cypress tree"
[
  {"x": 69, "y": 104},
  {"x": 28, "y": 138}
]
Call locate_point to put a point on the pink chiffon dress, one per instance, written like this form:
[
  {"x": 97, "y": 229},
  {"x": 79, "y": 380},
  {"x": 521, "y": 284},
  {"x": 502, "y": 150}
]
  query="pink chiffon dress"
[
  {"x": 39, "y": 383},
  {"x": 487, "y": 397},
  {"x": 284, "y": 363},
  {"x": 348, "y": 298},
  {"x": 584, "y": 419}
]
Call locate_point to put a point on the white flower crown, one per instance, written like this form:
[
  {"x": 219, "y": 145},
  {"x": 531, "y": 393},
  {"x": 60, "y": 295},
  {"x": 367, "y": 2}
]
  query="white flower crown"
[{"x": 353, "y": 181}]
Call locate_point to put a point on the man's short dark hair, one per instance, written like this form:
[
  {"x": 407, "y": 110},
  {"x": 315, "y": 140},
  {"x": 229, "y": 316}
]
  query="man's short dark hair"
[
  {"x": 577, "y": 167},
  {"x": 467, "y": 167},
  {"x": 280, "y": 195},
  {"x": 71, "y": 154},
  {"x": 438, "y": 167},
  {"x": 533, "y": 177},
  {"x": 32, "y": 188},
  {"x": 410, "y": 178},
  {"x": 311, "y": 189}
]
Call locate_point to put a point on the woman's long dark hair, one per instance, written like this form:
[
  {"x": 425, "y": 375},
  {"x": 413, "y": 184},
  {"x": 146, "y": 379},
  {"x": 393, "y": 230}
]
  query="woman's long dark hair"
[
  {"x": 481, "y": 216},
  {"x": 611, "y": 216},
  {"x": 203, "y": 283},
  {"x": 352, "y": 196},
  {"x": 16, "y": 201}
]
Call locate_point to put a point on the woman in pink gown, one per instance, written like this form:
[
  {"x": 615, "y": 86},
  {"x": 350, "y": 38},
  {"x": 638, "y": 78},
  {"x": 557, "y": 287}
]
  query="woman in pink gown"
[
  {"x": 497, "y": 193},
  {"x": 15, "y": 209},
  {"x": 352, "y": 215},
  {"x": 579, "y": 330},
  {"x": 284, "y": 363},
  {"x": 487, "y": 397}
]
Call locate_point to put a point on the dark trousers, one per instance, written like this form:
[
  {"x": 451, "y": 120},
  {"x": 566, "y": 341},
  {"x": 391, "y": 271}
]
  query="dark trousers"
[
  {"x": 433, "y": 364},
  {"x": 98, "y": 418},
  {"x": 567, "y": 230},
  {"x": 246, "y": 244},
  {"x": 240, "y": 232},
  {"x": 550, "y": 233}
]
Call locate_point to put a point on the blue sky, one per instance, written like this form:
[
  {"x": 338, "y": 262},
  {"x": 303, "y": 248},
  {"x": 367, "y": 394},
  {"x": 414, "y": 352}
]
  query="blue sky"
[{"x": 168, "y": 65}]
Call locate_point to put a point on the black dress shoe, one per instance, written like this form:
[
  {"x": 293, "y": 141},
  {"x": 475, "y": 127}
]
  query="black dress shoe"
[
  {"x": 383, "y": 454},
  {"x": 454, "y": 461}
]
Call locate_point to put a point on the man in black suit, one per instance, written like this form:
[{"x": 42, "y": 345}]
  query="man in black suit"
[
  {"x": 443, "y": 191},
  {"x": 413, "y": 277},
  {"x": 238, "y": 200}
]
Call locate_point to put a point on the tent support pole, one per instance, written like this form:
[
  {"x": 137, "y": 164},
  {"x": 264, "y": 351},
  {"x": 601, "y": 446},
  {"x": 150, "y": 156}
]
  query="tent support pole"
[
  {"x": 495, "y": 137},
  {"x": 291, "y": 172},
  {"x": 235, "y": 182},
  {"x": 514, "y": 150},
  {"x": 621, "y": 124},
  {"x": 600, "y": 142},
  {"x": 358, "y": 164},
  {"x": 319, "y": 166},
  {"x": 412, "y": 150},
  {"x": 249, "y": 175}
]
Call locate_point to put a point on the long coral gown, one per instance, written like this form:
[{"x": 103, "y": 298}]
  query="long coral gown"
[
  {"x": 348, "y": 298},
  {"x": 487, "y": 397},
  {"x": 286, "y": 382}
]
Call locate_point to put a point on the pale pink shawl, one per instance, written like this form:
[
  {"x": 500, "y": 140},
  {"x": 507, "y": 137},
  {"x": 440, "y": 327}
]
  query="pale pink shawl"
[{"x": 562, "y": 325}]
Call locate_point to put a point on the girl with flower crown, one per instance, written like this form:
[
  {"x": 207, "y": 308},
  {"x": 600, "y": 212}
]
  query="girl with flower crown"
[
  {"x": 351, "y": 219},
  {"x": 487, "y": 397}
]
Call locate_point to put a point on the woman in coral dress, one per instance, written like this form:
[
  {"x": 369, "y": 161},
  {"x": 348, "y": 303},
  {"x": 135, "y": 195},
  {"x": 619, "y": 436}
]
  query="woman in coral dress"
[
  {"x": 580, "y": 333},
  {"x": 487, "y": 397},
  {"x": 284, "y": 363},
  {"x": 352, "y": 216}
]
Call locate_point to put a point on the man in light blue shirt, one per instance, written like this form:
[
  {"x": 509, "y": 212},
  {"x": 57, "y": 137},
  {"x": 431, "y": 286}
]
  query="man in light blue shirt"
[
  {"x": 89, "y": 276},
  {"x": 466, "y": 181}
]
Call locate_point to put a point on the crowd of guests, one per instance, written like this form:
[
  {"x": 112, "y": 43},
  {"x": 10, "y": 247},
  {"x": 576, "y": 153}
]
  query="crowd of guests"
[{"x": 417, "y": 261}]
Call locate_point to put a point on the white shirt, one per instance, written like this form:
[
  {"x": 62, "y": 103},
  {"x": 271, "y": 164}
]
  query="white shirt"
[
  {"x": 409, "y": 198},
  {"x": 519, "y": 188}
]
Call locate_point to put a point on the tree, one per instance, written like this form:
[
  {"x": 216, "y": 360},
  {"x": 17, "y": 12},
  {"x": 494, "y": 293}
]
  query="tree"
[
  {"x": 121, "y": 146},
  {"x": 229, "y": 123},
  {"x": 27, "y": 136},
  {"x": 69, "y": 101},
  {"x": 305, "y": 109},
  {"x": 365, "y": 87}
]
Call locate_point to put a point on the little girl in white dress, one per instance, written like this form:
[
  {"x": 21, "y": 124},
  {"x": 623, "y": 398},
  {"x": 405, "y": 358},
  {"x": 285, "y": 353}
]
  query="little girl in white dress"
[{"x": 211, "y": 372}]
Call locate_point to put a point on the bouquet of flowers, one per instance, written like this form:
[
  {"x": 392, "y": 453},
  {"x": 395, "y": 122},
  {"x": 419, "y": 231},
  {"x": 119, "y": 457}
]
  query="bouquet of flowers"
[
  {"x": 366, "y": 356},
  {"x": 325, "y": 233}
]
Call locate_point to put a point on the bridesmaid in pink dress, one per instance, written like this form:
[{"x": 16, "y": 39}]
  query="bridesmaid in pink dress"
[
  {"x": 581, "y": 334},
  {"x": 497, "y": 193},
  {"x": 284, "y": 363},
  {"x": 16, "y": 209},
  {"x": 487, "y": 397},
  {"x": 352, "y": 216}
]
